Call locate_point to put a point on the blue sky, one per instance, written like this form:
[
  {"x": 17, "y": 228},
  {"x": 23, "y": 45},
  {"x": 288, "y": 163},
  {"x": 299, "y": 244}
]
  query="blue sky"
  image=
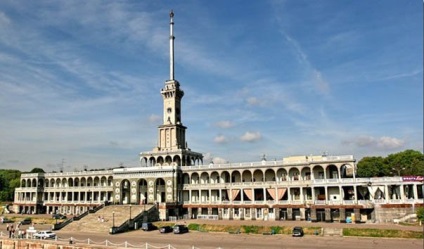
[{"x": 80, "y": 80}]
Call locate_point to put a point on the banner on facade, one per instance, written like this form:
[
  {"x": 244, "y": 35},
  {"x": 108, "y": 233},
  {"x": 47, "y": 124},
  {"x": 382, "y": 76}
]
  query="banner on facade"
[{"x": 412, "y": 178}]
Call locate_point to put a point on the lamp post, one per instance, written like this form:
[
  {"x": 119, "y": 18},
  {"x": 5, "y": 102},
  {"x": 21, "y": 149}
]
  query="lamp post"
[
  {"x": 144, "y": 204},
  {"x": 398, "y": 170},
  {"x": 130, "y": 212},
  {"x": 113, "y": 219},
  {"x": 144, "y": 213}
]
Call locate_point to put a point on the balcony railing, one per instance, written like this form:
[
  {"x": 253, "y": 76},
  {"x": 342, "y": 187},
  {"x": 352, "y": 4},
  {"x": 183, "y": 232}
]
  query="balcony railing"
[
  {"x": 65, "y": 188},
  {"x": 308, "y": 202},
  {"x": 300, "y": 183}
]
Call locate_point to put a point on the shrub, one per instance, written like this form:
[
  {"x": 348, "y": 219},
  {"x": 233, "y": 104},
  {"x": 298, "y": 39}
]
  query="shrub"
[{"x": 420, "y": 213}]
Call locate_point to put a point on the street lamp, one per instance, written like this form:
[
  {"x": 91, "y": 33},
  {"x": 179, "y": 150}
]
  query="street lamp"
[
  {"x": 398, "y": 170},
  {"x": 113, "y": 219},
  {"x": 130, "y": 212},
  {"x": 144, "y": 204},
  {"x": 144, "y": 213}
]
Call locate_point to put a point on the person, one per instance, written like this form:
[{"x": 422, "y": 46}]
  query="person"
[
  {"x": 10, "y": 231},
  {"x": 7, "y": 227}
]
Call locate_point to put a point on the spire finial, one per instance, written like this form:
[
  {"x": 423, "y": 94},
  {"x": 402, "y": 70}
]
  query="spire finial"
[{"x": 171, "y": 46}]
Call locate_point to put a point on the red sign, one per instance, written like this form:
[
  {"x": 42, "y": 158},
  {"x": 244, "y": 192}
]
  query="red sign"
[{"x": 412, "y": 178}]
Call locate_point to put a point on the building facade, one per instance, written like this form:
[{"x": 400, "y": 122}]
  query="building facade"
[{"x": 173, "y": 177}]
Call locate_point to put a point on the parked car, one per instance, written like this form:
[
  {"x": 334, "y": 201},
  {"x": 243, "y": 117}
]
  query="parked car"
[
  {"x": 5, "y": 220},
  {"x": 166, "y": 229},
  {"x": 178, "y": 229},
  {"x": 148, "y": 226},
  {"x": 44, "y": 235},
  {"x": 26, "y": 221},
  {"x": 58, "y": 216},
  {"x": 297, "y": 232}
]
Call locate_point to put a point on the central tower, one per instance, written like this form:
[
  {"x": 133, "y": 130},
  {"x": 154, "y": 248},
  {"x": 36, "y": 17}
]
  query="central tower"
[{"x": 172, "y": 147}]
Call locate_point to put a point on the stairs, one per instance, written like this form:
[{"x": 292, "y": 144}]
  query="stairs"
[
  {"x": 105, "y": 218},
  {"x": 405, "y": 218}
]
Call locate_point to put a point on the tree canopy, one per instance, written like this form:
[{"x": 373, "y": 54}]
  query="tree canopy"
[
  {"x": 9, "y": 180},
  {"x": 371, "y": 166},
  {"x": 408, "y": 162},
  {"x": 37, "y": 170}
]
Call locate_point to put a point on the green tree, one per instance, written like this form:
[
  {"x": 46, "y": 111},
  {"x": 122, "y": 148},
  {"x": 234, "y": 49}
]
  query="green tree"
[
  {"x": 420, "y": 214},
  {"x": 370, "y": 167},
  {"x": 37, "y": 170},
  {"x": 9, "y": 180},
  {"x": 408, "y": 162}
]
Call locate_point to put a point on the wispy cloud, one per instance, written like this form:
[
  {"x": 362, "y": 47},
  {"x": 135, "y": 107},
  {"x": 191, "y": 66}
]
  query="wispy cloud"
[
  {"x": 82, "y": 80},
  {"x": 220, "y": 139},
  {"x": 225, "y": 124},
  {"x": 250, "y": 136},
  {"x": 385, "y": 142}
]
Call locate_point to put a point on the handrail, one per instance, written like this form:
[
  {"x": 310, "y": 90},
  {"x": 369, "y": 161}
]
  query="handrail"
[
  {"x": 80, "y": 216},
  {"x": 129, "y": 224},
  {"x": 62, "y": 224},
  {"x": 92, "y": 211},
  {"x": 75, "y": 218}
]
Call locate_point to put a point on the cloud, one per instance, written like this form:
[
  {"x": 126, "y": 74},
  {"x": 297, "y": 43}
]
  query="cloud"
[
  {"x": 320, "y": 83},
  {"x": 154, "y": 118},
  {"x": 253, "y": 101},
  {"x": 390, "y": 143},
  {"x": 401, "y": 75},
  {"x": 208, "y": 158},
  {"x": 219, "y": 160},
  {"x": 4, "y": 20},
  {"x": 220, "y": 139},
  {"x": 251, "y": 136},
  {"x": 381, "y": 142},
  {"x": 225, "y": 124}
]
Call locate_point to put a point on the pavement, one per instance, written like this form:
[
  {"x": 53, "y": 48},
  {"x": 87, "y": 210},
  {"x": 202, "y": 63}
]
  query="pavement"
[
  {"x": 287, "y": 223},
  {"x": 269, "y": 223},
  {"x": 205, "y": 240}
]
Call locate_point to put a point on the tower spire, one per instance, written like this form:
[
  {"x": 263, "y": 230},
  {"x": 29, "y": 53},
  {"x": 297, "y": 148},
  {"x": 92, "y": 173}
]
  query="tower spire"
[{"x": 171, "y": 46}]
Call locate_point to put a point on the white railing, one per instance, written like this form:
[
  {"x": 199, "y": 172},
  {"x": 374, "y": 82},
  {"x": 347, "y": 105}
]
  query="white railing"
[
  {"x": 320, "y": 202},
  {"x": 207, "y": 217},
  {"x": 309, "y": 202},
  {"x": 284, "y": 162},
  {"x": 364, "y": 202},
  {"x": 334, "y": 180}
]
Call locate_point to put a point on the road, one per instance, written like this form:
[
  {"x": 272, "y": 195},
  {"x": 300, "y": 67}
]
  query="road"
[
  {"x": 202, "y": 240},
  {"x": 243, "y": 241}
]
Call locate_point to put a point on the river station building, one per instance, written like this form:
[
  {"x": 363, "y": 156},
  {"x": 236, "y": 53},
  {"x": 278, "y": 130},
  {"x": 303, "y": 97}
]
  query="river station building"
[{"x": 174, "y": 179}]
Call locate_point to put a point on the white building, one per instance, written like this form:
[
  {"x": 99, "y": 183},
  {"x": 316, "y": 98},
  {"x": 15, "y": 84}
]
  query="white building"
[{"x": 175, "y": 178}]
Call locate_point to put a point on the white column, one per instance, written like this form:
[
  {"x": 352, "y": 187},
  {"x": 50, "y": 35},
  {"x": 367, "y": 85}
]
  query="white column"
[
  {"x": 289, "y": 197},
  {"x": 414, "y": 188},
  {"x": 302, "y": 198},
  {"x": 326, "y": 193},
  {"x": 354, "y": 194},
  {"x": 402, "y": 193}
]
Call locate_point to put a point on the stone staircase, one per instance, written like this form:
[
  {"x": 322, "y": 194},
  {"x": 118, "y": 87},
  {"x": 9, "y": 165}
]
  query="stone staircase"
[{"x": 105, "y": 218}]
